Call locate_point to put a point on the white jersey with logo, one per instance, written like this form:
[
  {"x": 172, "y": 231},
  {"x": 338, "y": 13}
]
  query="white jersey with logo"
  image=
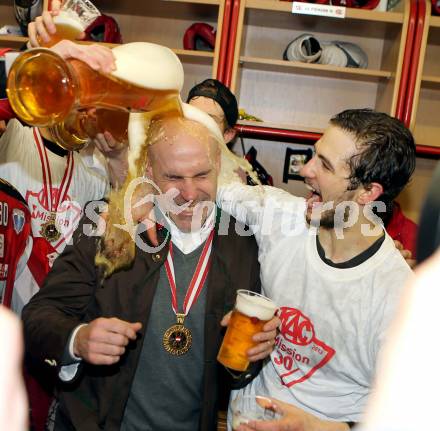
[
  {"x": 20, "y": 164},
  {"x": 333, "y": 320}
]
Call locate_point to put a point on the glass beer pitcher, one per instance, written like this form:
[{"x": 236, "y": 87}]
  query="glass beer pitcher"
[{"x": 46, "y": 91}]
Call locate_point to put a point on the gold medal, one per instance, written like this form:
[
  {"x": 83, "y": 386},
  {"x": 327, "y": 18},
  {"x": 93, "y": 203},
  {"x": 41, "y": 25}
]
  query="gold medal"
[
  {"x": 177, "y": 339},
  {"x": 52, "y": 198},
  {"x": 49, "y": 230}
]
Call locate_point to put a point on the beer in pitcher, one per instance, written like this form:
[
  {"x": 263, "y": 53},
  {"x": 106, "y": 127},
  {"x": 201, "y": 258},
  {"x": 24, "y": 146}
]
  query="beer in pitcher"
[
  {"x": 44, "y": 89},
  {"x": 250, "y": 313}
]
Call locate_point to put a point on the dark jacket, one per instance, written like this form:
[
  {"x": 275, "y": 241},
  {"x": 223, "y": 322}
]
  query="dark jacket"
[{"x": 75, "y": 293}]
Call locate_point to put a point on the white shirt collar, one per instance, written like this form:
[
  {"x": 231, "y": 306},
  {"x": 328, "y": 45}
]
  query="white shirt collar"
[{"x": 187, "y": 242}]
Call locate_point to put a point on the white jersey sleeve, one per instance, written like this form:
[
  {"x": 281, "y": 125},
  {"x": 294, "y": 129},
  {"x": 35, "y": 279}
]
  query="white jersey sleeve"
[{"x": 266, "y": 210}]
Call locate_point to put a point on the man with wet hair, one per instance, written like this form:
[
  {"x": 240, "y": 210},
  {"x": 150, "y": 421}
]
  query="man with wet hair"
[
  {"x": 117, "y": 340},
  {"x": 331, "y": 267}
]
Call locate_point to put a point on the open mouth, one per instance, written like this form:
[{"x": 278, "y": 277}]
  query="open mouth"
[{"x": 315, "y": 197}]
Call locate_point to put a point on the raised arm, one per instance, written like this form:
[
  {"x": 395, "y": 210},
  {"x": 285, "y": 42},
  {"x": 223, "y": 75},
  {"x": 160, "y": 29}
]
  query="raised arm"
[{"x": 263, "y": 208}]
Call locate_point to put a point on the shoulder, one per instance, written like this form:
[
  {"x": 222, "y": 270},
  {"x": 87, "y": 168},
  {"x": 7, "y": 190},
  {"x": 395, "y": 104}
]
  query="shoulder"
[
  {"x": 15, "y": 130},
  {"x": 392, "y": 272},
  {"x": 233, "y": 238}
]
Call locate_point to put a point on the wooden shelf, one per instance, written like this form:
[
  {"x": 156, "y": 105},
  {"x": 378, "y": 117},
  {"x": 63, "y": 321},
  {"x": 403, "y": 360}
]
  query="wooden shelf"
[
  {"x": 12, "y": 40},
  {"x": 431, "y": 79},
  {"x": 191, "y": 53},
  {"x": 351, "y": 13},
  {"x": 434, "y": 21},
  {"x": 214, "y": 2},
  {"x": 336, "y": 71},
  {"x": 294, "y": 127}
]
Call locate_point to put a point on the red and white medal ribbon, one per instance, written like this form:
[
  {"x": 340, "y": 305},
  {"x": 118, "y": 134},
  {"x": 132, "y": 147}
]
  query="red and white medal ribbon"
[
  {"x": 198, "y": 278},
  {"x": 50, "y": 201}
]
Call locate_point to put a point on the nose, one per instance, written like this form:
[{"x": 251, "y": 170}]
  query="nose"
[
  {"x": 188, "y": 190},
  {"x": 308, "y": 170}
]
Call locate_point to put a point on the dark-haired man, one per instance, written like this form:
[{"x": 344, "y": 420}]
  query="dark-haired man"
[{"x": 334, "y": 272}]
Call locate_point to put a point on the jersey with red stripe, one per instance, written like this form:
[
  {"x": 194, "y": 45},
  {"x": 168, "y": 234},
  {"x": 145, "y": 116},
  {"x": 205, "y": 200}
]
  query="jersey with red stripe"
[
  {"x": 15, "y": 234},
  {"x": 28, "y": 165}
]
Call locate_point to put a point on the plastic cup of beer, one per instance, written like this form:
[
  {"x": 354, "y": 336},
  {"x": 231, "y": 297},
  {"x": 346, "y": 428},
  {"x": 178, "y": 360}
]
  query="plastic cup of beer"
[
  {"x": 250, "y": 313},
  {"x": 246, "y": 408},
  {"x": 73, "y": 18}
]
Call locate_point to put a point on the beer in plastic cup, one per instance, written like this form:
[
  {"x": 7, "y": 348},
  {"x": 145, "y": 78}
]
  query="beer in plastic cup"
[{"x": 250, "y": 313}]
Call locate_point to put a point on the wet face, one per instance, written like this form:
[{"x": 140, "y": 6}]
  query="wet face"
[
  {"x": 186, "y": 158},
  {"x": 212, "y": 108},
  {"x": 326, "y": 175}
]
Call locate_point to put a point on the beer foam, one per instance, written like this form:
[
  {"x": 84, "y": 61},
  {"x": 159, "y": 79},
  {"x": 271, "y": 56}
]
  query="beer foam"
[
  {"x": 139, "y": 123},
  {"x": 255, "y": 306},
  {"x": 190, "y": 112},
  {"x": 230, "y": 163},
  {"x": 67, "y": 20},
  {"x": 148, "y": 65}
]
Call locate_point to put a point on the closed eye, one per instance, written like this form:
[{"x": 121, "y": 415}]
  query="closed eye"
[
  {"x": 326, "y": 164},
  {"x": 203, "y": 174}
]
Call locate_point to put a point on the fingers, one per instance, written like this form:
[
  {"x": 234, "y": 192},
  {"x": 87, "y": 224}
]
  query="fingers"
[
  {"x": 260, "y": 351},
  {"x": 276, "y": 405},
  {"x": 56, "y": 5},
  {"x": 272, "y": 325},
  {"x": 96, "y": 56},
  {"x": 265, "y": 340},
  {"x": 406, "y": 254},
  {"x": 109, "y": 146},
  {"x": 103, "y": 341},
  {"x": 121, "y": 327},
  {"x": 41, "y": 29},
  {"x": 398, "y": 244},
  {"x": 411, "y": 262},
  {"x": 152, "y": 233},
  {"x": 226, "y": 319}
]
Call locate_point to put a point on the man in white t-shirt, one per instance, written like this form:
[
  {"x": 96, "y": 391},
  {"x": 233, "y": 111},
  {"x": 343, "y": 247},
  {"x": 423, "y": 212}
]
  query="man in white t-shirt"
[{"x": 335, "y": 273}]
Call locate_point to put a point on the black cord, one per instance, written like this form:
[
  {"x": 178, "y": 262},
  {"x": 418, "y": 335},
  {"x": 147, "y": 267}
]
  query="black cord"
[{"x": 242, "y": 146}]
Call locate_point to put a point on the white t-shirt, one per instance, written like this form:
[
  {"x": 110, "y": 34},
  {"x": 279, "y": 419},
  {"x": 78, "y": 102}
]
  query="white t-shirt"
[
  {"x": 333, "y": 320},
  {"x": 20, "y": 164}
]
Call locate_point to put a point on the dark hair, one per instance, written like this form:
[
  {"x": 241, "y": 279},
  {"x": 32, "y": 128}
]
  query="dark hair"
[
  {"x": 387, "y": 150},
  {"x": 217, "y": 91}
]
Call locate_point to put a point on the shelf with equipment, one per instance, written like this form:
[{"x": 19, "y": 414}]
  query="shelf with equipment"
[
  {"x": 426, "y": 87},
  {"x": 159, "y": 21},
  {"x": 165, "y": 22},
  {"x": 292, "y": 95},
  {"x": 7, "y": 18}
]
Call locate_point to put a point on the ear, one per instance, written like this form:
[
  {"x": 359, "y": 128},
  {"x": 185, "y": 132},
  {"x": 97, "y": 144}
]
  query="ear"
[
  {"x": 369, "y": 193},
  {"x": 229, "y": 134}
]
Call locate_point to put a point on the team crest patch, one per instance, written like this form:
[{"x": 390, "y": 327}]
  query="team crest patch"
[
  {"x": 298, "y": 353},
  {"x": 18, "y": 219}
]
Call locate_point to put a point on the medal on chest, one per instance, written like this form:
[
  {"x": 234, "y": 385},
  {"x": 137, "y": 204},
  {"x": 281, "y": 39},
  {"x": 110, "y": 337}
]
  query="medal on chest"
[
  {"x": 177, "y": 339},
  {"x": 50, "y": 230}
]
